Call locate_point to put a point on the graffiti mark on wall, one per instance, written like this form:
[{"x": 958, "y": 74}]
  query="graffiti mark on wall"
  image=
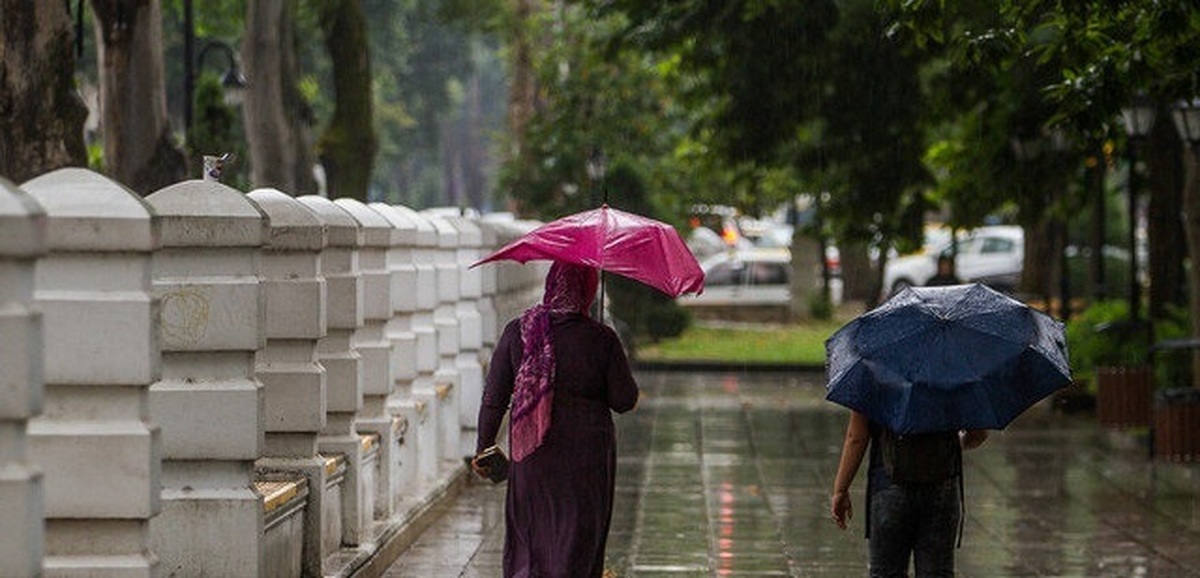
[{"x": 184, "y": 316}]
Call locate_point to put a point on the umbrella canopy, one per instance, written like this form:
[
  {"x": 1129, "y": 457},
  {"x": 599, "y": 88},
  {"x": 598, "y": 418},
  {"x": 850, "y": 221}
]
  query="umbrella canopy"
[
  {"x": 946, "y": 358},
  {"x": 612, "y": 240}
]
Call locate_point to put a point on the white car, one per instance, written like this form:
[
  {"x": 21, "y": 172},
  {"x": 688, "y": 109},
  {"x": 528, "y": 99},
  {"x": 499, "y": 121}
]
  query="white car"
[
  {"x": 753, "y": 277},
  {"x": 992, "y": 255},
  {"x": 745, "y": 277}
]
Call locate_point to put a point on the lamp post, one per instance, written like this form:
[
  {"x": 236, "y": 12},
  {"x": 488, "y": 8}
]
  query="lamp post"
[
  {"x": 232, "y": 80},
  {"x": 1186, "y": 114},
  {"x": 1139, "y": 119}
]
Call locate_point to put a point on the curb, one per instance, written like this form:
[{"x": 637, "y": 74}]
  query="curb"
[{"x": 727, "y": 366}]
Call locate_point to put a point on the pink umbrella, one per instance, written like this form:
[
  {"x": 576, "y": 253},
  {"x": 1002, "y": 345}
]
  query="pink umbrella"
[{"x": 612, "y": 240}]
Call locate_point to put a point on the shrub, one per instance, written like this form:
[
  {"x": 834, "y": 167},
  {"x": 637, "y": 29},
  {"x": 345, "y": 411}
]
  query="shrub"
[
  {"x": 1103, "y": 335},
  {"x": 820, "y": 306}
]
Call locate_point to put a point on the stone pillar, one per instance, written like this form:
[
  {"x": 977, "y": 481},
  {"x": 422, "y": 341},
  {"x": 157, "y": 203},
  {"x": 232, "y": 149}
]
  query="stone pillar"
[
  {"x": 434, "y": 384},
  {"x": 371, "y": 342},
  {"x": 95, "y": 442},
  {"x": 487, "y": 283},
  {"x": 23, "y": 223},
  {"x": 295, "y": 383},
  {"x": 336, "y": 351},
  {"x": 448, "y": 321},
  {"x": 517, "y": 286},
  {"x": 413, "y": 348},
  {"x": 470, "y": 322},
  {"x": 209, "y": 400}
]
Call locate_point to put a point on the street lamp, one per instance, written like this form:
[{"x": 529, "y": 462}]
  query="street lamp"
[
  {"x": 233, "y": 81},
  {"x": 1139, "y": 119}
]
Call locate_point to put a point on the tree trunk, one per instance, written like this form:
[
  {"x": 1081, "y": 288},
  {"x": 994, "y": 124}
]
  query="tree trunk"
[
  {"x": 139, "y": 149},
  {"x": 1167, "y": 247},
  {"x": 41, "y": 114},
  {"x": 277, "y": 118},
  {"x": 523, "y": 89},
  {"x": 474, "y": 143},
  {"x": 858, "y": 279},
  {"x": 1037, "y": 270},
  {"x": 349, "y": 144}
]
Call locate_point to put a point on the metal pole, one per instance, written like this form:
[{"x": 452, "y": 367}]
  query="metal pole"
[
  {"x": 1099, "y": 232},
  {"x": 1135, "y": 288}
]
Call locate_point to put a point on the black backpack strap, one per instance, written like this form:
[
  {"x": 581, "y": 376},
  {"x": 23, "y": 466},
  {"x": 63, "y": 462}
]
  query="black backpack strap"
[{"x": 867, "y": 505}]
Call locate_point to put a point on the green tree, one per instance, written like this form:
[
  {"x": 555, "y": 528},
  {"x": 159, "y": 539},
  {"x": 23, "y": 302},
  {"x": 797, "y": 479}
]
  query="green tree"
[
  {"x": 1093, "y": 57},
  {"x": 821, "y": 89}
]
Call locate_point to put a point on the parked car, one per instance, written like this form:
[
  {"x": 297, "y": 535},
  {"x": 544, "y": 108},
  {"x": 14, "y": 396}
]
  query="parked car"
[
  {"x": 750, "y": 277},
  {"x": 746, "y": 276},
  {"x": 993, "y": 255}
]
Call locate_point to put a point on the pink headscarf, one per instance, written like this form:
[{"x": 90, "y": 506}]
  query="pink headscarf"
[{"x": 569, "y": 289}]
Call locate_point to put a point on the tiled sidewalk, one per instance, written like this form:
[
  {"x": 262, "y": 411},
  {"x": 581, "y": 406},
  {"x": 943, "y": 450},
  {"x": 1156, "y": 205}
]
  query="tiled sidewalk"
[{"x": 728, "y": 475}]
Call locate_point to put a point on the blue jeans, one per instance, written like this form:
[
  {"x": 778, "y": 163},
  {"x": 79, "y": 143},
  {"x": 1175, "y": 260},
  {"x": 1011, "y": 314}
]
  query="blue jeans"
[{"x": 917, "y": 520}]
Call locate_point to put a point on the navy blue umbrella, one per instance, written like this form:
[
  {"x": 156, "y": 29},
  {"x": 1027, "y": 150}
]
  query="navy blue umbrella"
[{"x": 946, "y": 358}]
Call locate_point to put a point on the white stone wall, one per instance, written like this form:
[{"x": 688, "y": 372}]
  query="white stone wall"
[
  {"x": 180, "y": 369},
  {"x": 371, "y": 342},
  {"x": 468, "y": 310},
  {"x": 22, "y": 241}
]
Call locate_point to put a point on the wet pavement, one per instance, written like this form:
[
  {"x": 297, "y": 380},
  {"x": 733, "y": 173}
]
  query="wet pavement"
[{"x": 729, "y": 475}]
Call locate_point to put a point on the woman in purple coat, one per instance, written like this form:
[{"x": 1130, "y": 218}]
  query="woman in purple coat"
[{"x": 564, "y": 374}]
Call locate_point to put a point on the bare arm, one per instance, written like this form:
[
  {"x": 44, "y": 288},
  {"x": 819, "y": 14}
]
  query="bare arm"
[{"x": 858, "y": 436}]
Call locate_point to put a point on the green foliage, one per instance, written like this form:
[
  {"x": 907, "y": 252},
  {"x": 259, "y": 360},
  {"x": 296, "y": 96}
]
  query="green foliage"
[
  {"x": 1102, "y": 335},
  {"x": 217, "y": 129},
  {"x": 820, "y": 306},
  {"x": 95, "y": 152},
  {"x": 592, "y": 100},
  {"x": 666, "y": 320}
]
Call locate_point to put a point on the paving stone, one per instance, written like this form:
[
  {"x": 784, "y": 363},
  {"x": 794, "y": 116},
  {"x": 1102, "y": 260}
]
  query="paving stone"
[{"x": 728, "y": 475}]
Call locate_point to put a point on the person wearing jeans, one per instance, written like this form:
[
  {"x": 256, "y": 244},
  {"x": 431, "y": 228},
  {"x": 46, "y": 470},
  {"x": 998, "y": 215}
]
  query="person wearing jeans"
[{"x": 920, "y": 521}]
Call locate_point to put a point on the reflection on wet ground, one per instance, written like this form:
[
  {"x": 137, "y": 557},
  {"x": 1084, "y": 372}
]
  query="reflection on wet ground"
[{"x": 729, "y": 475}]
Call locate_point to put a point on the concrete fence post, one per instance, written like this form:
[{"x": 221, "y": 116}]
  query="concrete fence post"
[
  {"x": 22, "y": 241},
  {"x": 370, "y": 340},
  {"x": 424, "y": 388},
  {"x": 295, "y": 383},
  {"x": 408, "y": 338},
  {"x": 339, "y": 265},
  {"x": 487, "y": 282},
  {"x": 470, "y": 321},
  {"x": 447, "y": 378},
  {"x": 517, "y": 286},
  {"x": 95, "y": 442},
  {"x": 209, "y": 400}
]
